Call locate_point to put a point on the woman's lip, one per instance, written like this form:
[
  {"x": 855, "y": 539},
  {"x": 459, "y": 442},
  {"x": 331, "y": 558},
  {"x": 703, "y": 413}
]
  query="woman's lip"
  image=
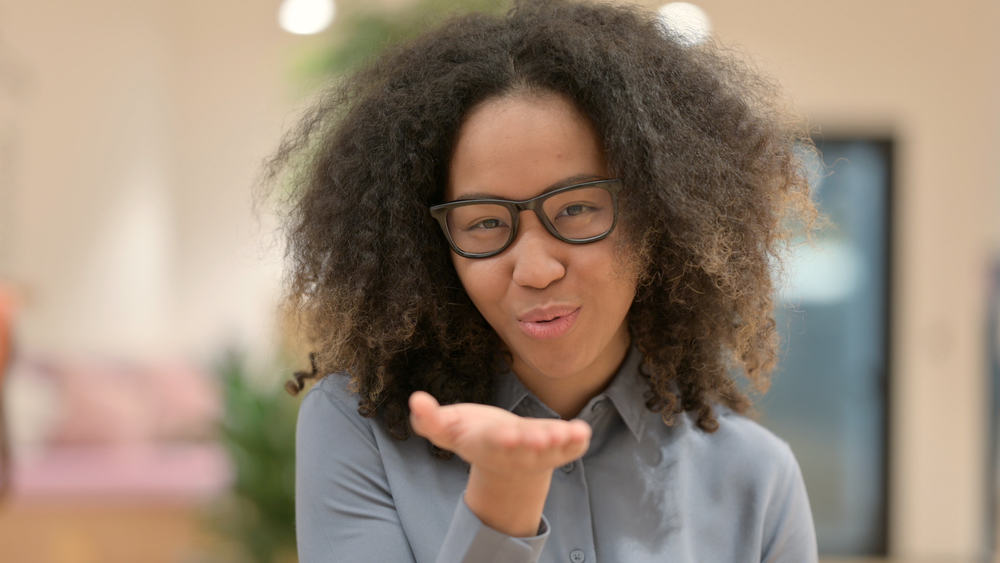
[
  {"x": 558, "y": 326},
  {"x": 547, "y": 313}
]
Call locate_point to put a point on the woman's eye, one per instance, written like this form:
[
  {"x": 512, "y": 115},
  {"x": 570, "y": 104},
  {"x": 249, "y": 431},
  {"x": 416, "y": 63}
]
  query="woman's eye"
[
  {"x": 576, "y": 209},
  {"x": 487, "y": 224}
]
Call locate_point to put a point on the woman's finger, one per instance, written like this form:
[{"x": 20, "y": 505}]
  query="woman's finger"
[
  {"x": 422, "y": 401},
  {"x": 559, "y": 435},
  {"x": 579, "y": 431},
  {"x": 425, "y": 417},
  {"x": 577, "y": 439},
  {"x": 534, "y": 435}
]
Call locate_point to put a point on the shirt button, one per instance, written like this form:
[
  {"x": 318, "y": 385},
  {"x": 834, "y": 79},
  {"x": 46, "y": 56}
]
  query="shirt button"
[
  {"x": 568, "y": 468},
  {"x": 577, "y": 556}
]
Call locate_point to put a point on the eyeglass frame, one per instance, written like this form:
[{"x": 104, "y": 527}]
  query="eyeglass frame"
[{"x": 515, "y": 207}]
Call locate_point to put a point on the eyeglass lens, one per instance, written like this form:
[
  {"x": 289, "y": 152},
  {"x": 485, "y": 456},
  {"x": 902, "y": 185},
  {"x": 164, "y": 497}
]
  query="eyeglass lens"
[{"x": 576, "y": 214}]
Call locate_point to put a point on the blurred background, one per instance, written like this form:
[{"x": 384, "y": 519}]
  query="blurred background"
[{"x": 142, "y": 353}]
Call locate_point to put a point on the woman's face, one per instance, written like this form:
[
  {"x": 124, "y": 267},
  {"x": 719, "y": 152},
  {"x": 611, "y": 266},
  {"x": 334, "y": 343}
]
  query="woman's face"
[{"x": 560, "y": 308}]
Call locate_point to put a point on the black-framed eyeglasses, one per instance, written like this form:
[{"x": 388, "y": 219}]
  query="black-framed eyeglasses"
[{"x": 577, "y": 214}]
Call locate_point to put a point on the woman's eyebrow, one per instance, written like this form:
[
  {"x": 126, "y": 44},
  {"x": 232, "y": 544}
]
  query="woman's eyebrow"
[{"x": 578, "y": 178}]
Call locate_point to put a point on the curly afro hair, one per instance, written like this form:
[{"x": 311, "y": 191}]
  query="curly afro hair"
[{"x": 712, "y": 189}]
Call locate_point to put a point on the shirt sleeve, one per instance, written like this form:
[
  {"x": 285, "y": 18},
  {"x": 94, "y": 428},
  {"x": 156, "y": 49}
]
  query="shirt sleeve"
[
  {"x": 790, "y": 536},
  {"x": 344, "y": 509},
  {"x": 470, "y": 541}
]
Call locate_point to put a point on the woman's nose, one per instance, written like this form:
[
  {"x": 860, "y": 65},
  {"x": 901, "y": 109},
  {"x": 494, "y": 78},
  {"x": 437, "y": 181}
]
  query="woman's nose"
[{"x": 537, "y": 255}]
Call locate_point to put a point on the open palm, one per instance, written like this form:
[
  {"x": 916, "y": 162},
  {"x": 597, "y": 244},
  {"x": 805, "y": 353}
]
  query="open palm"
[{"x": 498, "y": 441}]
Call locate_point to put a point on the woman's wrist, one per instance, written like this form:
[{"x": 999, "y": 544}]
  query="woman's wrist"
[{"x": 509, "y": 503}]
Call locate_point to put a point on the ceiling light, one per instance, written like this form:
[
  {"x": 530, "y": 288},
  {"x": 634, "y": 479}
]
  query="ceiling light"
[{"x": 687, "y": 23}]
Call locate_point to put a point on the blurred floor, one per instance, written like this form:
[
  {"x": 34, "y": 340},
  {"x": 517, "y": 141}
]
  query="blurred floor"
[
  {"x": 61, "y": 531},
  {"x": 148, "y": 530}
]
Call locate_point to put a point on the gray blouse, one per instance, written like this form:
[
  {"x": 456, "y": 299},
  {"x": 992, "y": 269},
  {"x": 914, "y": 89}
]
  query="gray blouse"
[{"x": 643, "y": 492}]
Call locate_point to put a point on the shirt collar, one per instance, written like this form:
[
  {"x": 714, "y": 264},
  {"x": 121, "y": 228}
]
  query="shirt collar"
[
  {"x": 626, "y": 392},
  {"x": 508, "y": 391}
]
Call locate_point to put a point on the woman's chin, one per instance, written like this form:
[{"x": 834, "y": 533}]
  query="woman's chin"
[{"x": 547, "y": 366}]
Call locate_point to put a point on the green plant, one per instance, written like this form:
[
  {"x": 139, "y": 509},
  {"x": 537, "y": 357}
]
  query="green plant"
[{"x": 258, "y": 432}]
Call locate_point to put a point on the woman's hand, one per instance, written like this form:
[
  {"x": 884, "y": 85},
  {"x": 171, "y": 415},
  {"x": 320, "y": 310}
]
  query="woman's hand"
[
  {"x": 497, "y": 440},
  {"x": 511, "y": 457}
]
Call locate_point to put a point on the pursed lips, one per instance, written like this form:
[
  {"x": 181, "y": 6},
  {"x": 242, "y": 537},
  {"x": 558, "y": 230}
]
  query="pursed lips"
[
  {"x": 548, "y": 322},
  {"x": 547, "y": 314}
]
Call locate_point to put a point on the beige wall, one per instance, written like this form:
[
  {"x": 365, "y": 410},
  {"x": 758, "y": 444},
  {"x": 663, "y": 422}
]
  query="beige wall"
[
  {"x": 135, "y": 130},
  {"x": 928, "y": 75},
  {"x": 132, "y": 130}
]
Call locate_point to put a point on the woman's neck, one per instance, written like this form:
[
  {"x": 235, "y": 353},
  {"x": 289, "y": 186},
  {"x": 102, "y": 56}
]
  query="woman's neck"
[{"x": 568, "y": 394}]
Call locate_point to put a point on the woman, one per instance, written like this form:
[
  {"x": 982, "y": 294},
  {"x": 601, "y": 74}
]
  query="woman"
[{"x": 560, "y": 224}]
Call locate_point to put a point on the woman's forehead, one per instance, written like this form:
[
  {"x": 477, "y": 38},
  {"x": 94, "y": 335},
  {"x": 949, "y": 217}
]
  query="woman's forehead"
[{"x": 521, "y": 145}]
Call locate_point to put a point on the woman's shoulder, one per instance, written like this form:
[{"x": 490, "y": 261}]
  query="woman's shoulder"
[
  {"x": 336, "y": 387},
  {"x": 743, "y": 443},
  {"x": 330, "y": 402},
  {"x": 737, "y": 427}
]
